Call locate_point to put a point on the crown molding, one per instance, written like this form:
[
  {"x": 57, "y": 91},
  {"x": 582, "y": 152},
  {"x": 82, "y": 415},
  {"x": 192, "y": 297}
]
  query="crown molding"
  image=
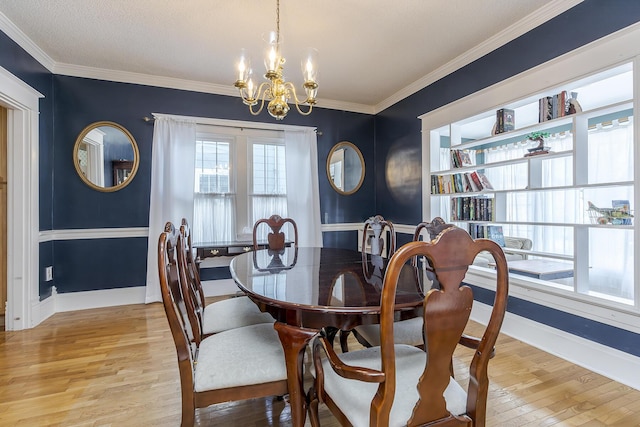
[
  {"x": 512, "y": 32},
  {"x": 515, "y": 30},
  {"x": 346, "y": 106},
  {"x": 11, "y": 30},
  {"x": 142, "y": 79}
]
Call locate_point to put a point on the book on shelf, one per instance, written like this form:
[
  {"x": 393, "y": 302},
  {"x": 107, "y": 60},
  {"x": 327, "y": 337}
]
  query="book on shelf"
[
  {"x": 505, "y": 120},
  {"x": 461, "y": 158},
  {"x": 460, "y": 183},
  {"x": 555, "y": 106},
  {"x": 622, "y": 211},
  {"x": 472, "y": 208},
  {"x": 494, "y": 232},
  {"x": 486, "y": 185}
]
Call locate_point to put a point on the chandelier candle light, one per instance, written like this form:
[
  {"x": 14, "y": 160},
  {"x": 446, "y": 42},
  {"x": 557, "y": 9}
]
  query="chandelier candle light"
[{"x": 276, "y": 89}]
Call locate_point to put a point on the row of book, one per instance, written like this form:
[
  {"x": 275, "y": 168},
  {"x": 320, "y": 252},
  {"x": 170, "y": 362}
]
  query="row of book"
[
  {"x": 468, "y": 182},
  {"x": 462, "y": 158},
  {"x": 558, "y": 105},
  {"x": 473, "y": 209},
  {"x": 483, "y": 231}
]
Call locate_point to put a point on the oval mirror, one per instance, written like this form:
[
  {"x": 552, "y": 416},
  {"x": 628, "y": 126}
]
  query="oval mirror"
[
  {"x": 106, "y": 156},
  {"x": 345, "y": 168}
]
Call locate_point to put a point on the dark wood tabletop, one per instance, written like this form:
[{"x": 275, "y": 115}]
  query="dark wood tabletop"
[
  {"x": 306, "y": 289},
  {"x": 323, "y": 287}
]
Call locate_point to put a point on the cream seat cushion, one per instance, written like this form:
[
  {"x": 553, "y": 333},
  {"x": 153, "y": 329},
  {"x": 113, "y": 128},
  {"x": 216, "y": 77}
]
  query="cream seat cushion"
[
  {"x": 404, "y": 332},
  {"x": 232, "y": 313},
  {"x": 354, "y": 397},
  {"x": 243, "y": 356}
]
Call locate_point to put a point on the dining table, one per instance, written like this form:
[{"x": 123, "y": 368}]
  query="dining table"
[{"x": 306, "y": 289}]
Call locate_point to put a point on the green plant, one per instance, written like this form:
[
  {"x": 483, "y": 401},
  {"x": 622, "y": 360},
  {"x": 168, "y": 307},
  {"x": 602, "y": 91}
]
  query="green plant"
[{"x": 537, "y": 136}]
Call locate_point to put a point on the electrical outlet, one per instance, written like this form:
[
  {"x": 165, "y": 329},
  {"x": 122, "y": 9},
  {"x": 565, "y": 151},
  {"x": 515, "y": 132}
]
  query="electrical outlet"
[{"x": 48, "y": 273}]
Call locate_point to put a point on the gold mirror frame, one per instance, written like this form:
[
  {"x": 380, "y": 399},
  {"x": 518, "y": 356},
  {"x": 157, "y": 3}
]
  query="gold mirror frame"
[
  {"x": 344, "y": 145},
  {"x": 98, "y": 153}
]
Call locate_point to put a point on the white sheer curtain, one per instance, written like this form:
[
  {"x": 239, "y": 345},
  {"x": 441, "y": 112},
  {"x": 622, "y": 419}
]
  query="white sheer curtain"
[
  {"x": 214, "y": 217},
  {"x": 538, "y": 206},
  {"x": 172, "y": 182},
  {"x": 303, "y": 196},
  {"x": 611, "y": 160},
  {"x": 610, "y": 154}
]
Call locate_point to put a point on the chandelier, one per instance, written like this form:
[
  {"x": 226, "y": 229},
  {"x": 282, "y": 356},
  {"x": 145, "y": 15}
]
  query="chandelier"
[{"x": 276, "y": 90}]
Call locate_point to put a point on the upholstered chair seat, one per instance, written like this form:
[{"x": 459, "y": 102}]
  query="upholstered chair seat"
[
  {"x": 240, "y": 357},
  {"x": 354, "y": 397},
  {"x": 232, "y": 313},
  {"x": 405, "y": 332}
]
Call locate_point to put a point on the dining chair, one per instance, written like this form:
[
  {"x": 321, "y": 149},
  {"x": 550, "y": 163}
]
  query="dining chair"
[
  {"x": 275, "y": 238},
  {"x": 374, "y": 243},
  {"x": 373, "y": 250},
  {"x": 401, "y": 385},
  {"x": 407, "y": 331},
  {"x": 222, "y": 315},
  {"x": 238, "y": 364}
]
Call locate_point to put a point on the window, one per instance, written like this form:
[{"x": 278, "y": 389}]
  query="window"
[
  {"x": 214, "y": 210},
  {"x": 268, "y": 181},
  {"x": 240, "y": 176},
  {"x": 212, "y": 167}
]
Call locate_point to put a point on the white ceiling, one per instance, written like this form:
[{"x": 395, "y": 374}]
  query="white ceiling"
[{"x": 372, "y": 52}]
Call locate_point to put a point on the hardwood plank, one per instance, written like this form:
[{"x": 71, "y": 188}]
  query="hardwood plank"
[{"x": 117, "y": 367}]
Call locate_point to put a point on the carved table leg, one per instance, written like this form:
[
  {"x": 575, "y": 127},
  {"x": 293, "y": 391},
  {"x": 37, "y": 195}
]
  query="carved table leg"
[{"x": 294, "y": 342}]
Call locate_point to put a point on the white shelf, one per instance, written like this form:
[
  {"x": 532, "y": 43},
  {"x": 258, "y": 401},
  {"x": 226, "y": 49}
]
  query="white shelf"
[{"x": 534, "y": 176}]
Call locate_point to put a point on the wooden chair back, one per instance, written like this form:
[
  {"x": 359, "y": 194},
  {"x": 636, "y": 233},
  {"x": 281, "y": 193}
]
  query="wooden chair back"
[
  {"x": 378, "y": 225},
  {"x": 192, "y": 287},
  {"x": 176, "y": 308},
  {"x": 276, "y": 238},
  {"x": 435, "y": 227},
  {"x": 446, "y": 313}
]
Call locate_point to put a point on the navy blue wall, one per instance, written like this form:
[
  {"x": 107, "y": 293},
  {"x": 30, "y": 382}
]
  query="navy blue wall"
[
  {"x": 398, "y": 136},
  {"x": 80, "y": 102}
]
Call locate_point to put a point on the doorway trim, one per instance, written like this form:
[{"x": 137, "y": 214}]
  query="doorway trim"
[{"x": 22, "y": 104}]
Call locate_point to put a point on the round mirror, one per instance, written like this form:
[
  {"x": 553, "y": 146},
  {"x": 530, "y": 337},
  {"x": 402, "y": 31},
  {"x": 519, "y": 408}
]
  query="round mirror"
[
  {"x": 345, "y": 168},
  {"x": 106, "y": 156}
]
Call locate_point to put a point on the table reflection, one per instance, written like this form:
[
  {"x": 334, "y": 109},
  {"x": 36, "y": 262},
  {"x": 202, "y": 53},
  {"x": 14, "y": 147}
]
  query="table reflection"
[{"x": 322, "y": 277}]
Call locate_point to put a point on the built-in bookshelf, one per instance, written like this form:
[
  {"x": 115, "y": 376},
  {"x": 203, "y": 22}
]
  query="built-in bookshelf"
[{"x": 572, "y": 193}]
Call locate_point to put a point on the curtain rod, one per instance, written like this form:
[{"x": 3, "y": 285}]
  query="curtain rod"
[{"x": 231, "y": 123}]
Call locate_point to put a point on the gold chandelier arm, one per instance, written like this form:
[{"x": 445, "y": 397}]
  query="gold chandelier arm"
[
  {"x": 292, "y": 89},
  {"x": 261, "y": 92}
]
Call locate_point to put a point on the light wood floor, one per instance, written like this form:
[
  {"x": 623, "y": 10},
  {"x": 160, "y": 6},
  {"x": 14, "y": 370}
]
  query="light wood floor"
[{"x": 117, "y": 367}]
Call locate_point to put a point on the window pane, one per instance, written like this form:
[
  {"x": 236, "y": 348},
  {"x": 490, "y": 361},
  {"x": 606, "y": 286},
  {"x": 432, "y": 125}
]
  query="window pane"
[
  {"x": 611, "y": 264},
  {"x": 269, "y": 184},
  {"x": 269, "y": 175},
  {"x": 213, "y": 162}
]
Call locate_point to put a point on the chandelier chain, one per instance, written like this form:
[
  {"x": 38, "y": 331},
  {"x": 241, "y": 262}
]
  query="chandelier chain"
[{"x": 278, "y": 23}]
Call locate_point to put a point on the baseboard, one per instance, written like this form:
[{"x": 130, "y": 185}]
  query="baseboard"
[
  {"x": 73, "y": 301},
  {"x": 97, "y": 299},
  {"x": 611, "y": 363},
  {"x": 42, "y": 310}
]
